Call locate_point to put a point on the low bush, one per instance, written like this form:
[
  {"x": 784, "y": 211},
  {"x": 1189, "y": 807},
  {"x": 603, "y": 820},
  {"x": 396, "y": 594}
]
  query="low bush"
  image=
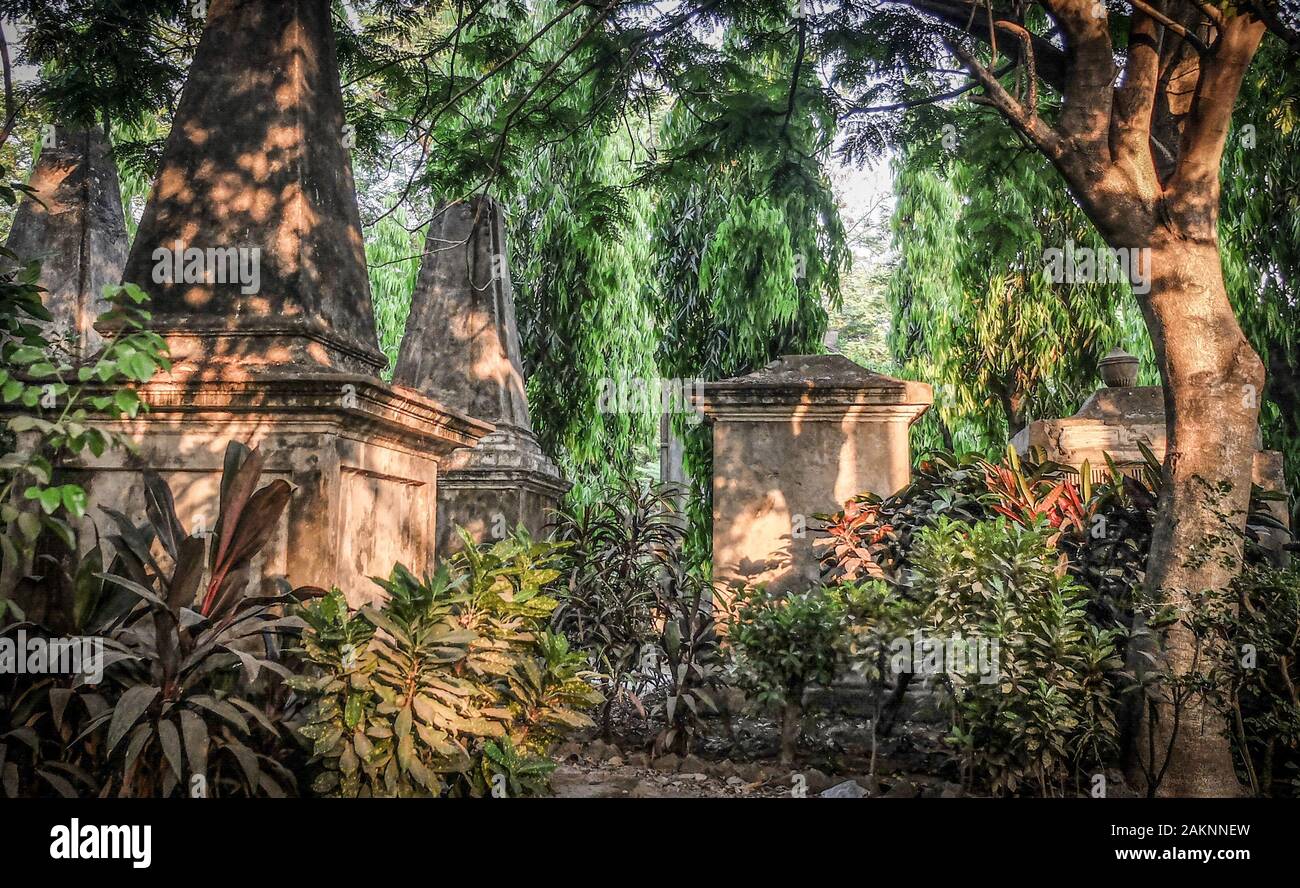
[
  {"x": 452, "y": 686},
  {"x": 183, "y": 644},
  {"x": 695, "y": 666},
  {"x": 1264, "y": 633},
  {"x": 645, "y": 622},
  {"x": 1045, "y": 718},
  {"x": 784, "y": 645},
  {"x": 620, "y": 557}
]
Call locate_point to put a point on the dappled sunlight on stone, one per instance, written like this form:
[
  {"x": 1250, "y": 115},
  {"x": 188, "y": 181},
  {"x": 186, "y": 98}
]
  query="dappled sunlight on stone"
[
  {"x": 255, "y": 183},
  {"x": 462, "y": 346},
  {"x": 792, "y": 440}
]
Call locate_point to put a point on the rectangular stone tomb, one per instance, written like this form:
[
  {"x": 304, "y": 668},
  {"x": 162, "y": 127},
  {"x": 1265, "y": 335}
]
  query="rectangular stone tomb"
[{"x": 362, "y": 458}]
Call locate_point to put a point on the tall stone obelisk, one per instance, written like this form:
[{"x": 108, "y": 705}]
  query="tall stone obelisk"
[
  {"x": 251, "y": 250},
  {"x": 462, "y": 347},
  {"x": 256, "y": 162},
  {"x": 72, "y": 223}
]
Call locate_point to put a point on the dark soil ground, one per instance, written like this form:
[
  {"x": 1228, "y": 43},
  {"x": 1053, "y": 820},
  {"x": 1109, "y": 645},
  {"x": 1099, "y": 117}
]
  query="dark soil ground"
[{"x": 835, "y": 756}]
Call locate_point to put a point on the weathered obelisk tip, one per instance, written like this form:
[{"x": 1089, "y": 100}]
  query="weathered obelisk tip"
[
  {"x": 251, "y": 242},
  {"x": 462, "y": 348},
  {"x": 73, "y": 225}
]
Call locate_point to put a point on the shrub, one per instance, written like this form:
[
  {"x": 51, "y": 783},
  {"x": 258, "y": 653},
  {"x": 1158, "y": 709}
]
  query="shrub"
[
  {"x": 1049, "y": 719},
  {"x": 783, "y": 645},
  {"x": 1265, "y": 706},
  {"x": 644, "y": 621},
  {"x": 171, "y": 711},
  {"x": 694, "y": 661},
  {"x": 450, "y": 687},
  {"x": 622, "y": 553},
  {"x": 877, "y": 615},
  {"x": 871, "y": 533},
  {"x": 1104, "y": 528},
  {"x": 51, "y": 398}
]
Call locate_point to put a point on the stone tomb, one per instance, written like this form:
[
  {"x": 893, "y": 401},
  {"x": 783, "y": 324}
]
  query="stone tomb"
[
  {"x": 1120, "y": 420},
  {"x": 462, "y": 345},
  {"x": 801, "y": 436},
  {"x": 73, "y": 224},
  {"x": 287, "y": 361}
]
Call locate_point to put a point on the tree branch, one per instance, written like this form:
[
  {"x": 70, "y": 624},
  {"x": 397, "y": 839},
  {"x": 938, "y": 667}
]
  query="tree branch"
[
  {"x": 1205, "y": 133},
  {"x": 1026, "y": 122},
  {"x": 794, "y": 76},
  {"x": 1172, "y": 25},
  {"x": 928, "y": 100}
]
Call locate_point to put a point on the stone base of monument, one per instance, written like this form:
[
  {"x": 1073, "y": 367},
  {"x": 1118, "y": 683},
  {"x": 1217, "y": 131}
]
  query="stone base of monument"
[
  {"x": 489, "y": 490},
  {"x": 362, "y": 457},
  {"x": 1115, "y": 421}
]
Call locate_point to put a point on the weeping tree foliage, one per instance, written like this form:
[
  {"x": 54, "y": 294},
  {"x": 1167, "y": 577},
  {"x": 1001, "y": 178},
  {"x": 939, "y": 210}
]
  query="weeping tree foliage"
[
  {"x": 973, "y": 311},
  {"x": 584, "y": 299},
  {"x": 579, "y": 245},
  {"x": 748, "y": 240},
  {"x": 393, "y": 253},
  {"x": 580, "y": 238},
  {"x": 719, "y": 255},
  {"x": 1260, "y": 233}
]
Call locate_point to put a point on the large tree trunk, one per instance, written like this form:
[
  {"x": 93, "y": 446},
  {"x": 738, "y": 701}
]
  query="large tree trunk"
[
  {"x": 1141, "y": 148},
  {"x": 1213, "y": 382}
]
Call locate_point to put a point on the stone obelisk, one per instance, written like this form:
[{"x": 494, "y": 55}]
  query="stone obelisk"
[
  {"x": 251, "y": 250},
  {"x": 72, "y": 223},
  {"x": 462, "y": 347},
  {"x": 256, "y": 164}
]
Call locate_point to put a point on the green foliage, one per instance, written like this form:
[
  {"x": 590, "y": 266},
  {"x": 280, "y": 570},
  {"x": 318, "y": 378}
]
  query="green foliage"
[
  {"x": 783, "y": 646},
  {"x": 51, "y": 397},
  {"x": 178, "y": 679},
  {"x": 170, "y": 712},
  {"x": 1264, "y": 632},
  {"x": 581, "y": 254},
  {"x": 1049, "y": 720},
  {"x": 512, "y": 775},
  {"x": 447, "y": 686},
  {"x": 973, "y": 312},
  {"x": 694, "y": 662},
  {"x": 393, "y": 257},
  {"x": 873, "y": 537},
  {"x": 645, "y": 622},
  {"x": 106, "y": 60},
  {"x": 622, "y": 549},
  {"x": 749, "y": 242}
]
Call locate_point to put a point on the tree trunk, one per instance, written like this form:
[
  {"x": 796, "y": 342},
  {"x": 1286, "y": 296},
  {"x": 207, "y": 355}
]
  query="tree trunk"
[
  {"x": 1213, "y": 382},
  {"x": 791, "y": 722},
  {"x": 1013, "y": 408}
]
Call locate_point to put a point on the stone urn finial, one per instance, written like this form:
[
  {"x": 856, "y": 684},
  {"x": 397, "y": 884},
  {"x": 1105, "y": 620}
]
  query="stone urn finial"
[{"x": 1119, "y": 369}]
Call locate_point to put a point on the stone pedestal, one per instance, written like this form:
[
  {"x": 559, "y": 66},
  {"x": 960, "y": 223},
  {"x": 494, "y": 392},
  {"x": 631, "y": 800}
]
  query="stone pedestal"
[
  {"x": 255, "y": 164},
  {"x": 73, "y": 224},
  {"x": 1118, "y": 421},
  {"x": 801, "y": 436},
  {"x": 462, "y": 346},
  {"x": 501, "y": 483},
  {"x": 362, "y": 458}
]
